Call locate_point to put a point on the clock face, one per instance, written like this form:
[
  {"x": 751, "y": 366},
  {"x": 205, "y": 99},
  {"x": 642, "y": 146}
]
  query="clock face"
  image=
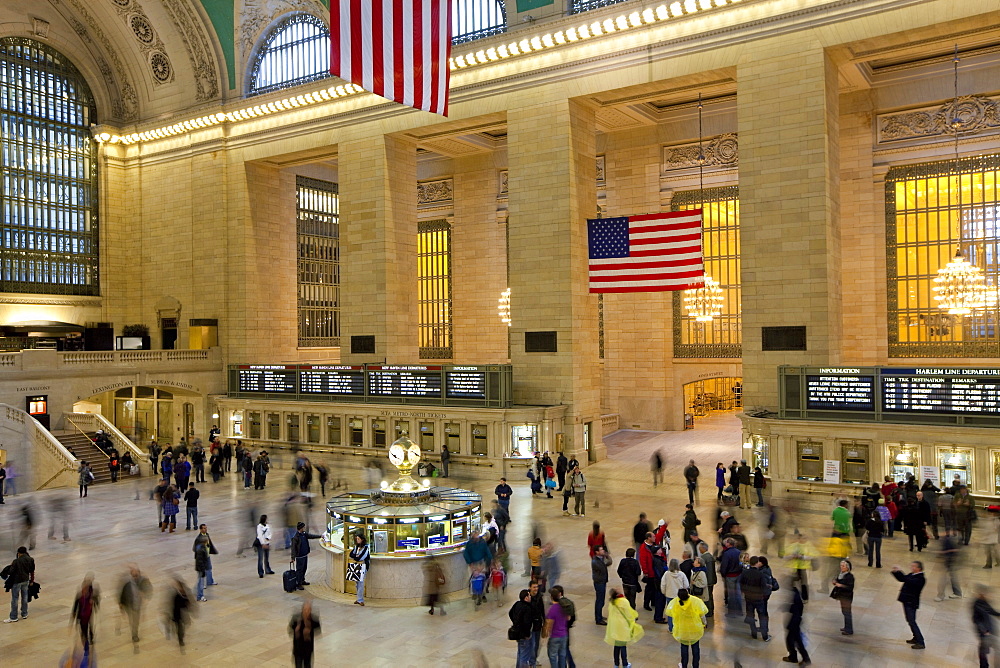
[
  {"x": 413, "y": 451},
  {"x": 397, "y": 454}
]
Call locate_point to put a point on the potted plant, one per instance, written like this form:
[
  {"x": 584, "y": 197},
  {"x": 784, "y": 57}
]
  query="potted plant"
[{"x": 134, "y": 337}]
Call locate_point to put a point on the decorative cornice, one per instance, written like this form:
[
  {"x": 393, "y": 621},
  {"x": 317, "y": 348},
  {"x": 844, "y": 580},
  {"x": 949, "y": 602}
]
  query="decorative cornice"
[
  {"x": 200, "y": 53},
  {"x": 431, "y": 193},
  {"x": 974, "y": 114},
  {"x": 46, "y": 300},
  {"x": 720, "y": 151}
]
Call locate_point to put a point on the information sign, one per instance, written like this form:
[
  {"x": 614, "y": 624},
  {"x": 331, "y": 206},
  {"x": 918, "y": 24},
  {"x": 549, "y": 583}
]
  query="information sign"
[
  {"x": 404, "y": 381},
  {"x": 931, "y": 473},
  {"x": 437, "y": 540},
  {"x": 831, "y": 471},
  {"x": 935, "y": 390},
  {"x": 840, "y": 392},
  {"x": 334, "y": 380},
  {"x": 408, "y": 543},
  {"x": 272, "y": 379},
  {"x": 465, "y": 382}
]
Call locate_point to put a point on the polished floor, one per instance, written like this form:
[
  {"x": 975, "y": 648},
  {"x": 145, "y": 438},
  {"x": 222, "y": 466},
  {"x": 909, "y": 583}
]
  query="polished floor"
[{"x": 244, "y": 622}]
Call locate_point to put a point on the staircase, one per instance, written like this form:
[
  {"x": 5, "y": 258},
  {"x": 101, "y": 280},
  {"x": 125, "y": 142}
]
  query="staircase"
[{"x": 81, "y": 444}]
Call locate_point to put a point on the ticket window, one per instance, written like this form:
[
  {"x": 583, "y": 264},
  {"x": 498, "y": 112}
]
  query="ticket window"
[
  {"x": 402, "y": 428},
  {"x": 903, "y": 460},
  {"x": 956, "y": 465},
  {"x": 294, "y": 428},
  {"x": 995, "y": 461},
  {"x": 237, "y": 420},
  {"x": 357, "y": 432},
  {"x": 760, "y": 452},
  {"x": 273, "y": 427},
  {"x": 312, "y": 428},
  {"x": 524, "y": 440},
  {"x": 254, "y": 418},
  {"x": 854, "y": 468},
  {"x": 426, "y": 436},
  {"x": 408, "y": 537},
  {"x": 480, "y": 442},
  {"x": 810, "y": 460},
  {"x": 333, "y": 430},
  {"x": 378, "y": 433},
  {"x": 453, "y": 437}
]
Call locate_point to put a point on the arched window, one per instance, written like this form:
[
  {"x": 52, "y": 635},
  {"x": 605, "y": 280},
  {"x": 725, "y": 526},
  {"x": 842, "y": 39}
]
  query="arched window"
[
  {"x": 48, "y": 235},
  {"x": 296, "y": 51}
]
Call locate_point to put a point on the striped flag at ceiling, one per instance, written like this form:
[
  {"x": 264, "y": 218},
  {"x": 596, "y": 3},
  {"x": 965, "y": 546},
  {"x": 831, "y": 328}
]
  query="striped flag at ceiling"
[
  {"x": 398, "y": 49},
  {"x": 652, "y": 253}
]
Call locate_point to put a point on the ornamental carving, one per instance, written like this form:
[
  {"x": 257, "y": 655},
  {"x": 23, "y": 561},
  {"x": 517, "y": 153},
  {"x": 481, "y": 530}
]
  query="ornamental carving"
[
  {"x": 434, "y": 192},
  {"x": 149, "y": 41},
  {"x": 199, "y": 50},
  {"x": 600, "y": 169},
  {"x": 160, "y": 65},
  {"x": 972, "y": 114},
  {"x": 258, "y": 14},
  {"x": 502, "y": 187},
  {"x": 721, "y": 151}
]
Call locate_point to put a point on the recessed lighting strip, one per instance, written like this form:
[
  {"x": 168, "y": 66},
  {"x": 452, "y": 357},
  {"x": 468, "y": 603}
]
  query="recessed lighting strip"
[{"x": 582, "y": 32}]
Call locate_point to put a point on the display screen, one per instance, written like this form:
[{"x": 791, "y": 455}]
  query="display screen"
[
  {"x": 343, "y": 380},
  {"x": 465, "y": 382},
  {"x": 939, "y": 391},
  {"x": 404, "y": 381},
  {"x": 840, "y": 393},
  {"x": 274, "y": 379}
]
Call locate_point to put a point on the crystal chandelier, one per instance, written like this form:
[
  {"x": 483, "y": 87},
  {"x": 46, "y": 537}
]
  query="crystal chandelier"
[
  {"x": 503, "y": 307},
  {"x": 704, "y": 303},
  {"x": 960, "y": 286}
]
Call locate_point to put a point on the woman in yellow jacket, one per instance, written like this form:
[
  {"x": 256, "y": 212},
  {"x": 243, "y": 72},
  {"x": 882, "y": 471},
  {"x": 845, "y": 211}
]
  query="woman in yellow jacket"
[
  {"x": 688, "y": 613},
  {"x": 622, "y": 629}
]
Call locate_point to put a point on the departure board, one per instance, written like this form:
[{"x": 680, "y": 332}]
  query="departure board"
[
  {"x": 270, "y": 379},
  {"x": 465, "y": 382},
  {"x": 404, "y": 381},
  {"x": 835, "y": 392},
  {"x": 939, "y": 391},
  {"x": 332, "y": 380}
]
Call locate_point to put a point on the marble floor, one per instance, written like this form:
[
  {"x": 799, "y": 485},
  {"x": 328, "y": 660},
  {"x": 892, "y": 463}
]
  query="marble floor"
[{"x": 245, "y": 620}]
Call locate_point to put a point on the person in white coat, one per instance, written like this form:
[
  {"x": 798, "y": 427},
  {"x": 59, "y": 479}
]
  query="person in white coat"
[
  {"x": 263, "y": 547},
  {"x": 672, "y": 582},
  {"x": 991, "y": 536}
]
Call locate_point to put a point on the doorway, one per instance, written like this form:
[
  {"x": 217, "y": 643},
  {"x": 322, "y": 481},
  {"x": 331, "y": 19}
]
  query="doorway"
[{"x": 712, "y": 395}]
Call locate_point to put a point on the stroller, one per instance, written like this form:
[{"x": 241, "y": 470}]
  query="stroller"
[{"x": 730, "y": 496}]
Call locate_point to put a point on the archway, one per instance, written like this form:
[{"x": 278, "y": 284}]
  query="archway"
[{"x": 712, "y": 395}]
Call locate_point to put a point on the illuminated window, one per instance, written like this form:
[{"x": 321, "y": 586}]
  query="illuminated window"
[
  {"x": 49, "y": 164},
  {"x": 434, "y": 289},
  {"x": 317, "y": 213},
  {"x": 925, "y": 207},
  {"x": 723, "y": 336},
  {"x": 296, "y": 51}
]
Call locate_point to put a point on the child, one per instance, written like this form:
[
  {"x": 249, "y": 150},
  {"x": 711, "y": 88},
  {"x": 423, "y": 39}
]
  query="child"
[{"x": 498, "y": 582}]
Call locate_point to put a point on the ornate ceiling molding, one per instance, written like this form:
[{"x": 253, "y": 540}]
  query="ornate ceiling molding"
[
  {"x": 720, "y": 151},
  {"x": 976, "y": 114},
  {"x": 200, "y": 52},
  {"x": 150, "y": 44},
  {"x": 124, "y": 100}
]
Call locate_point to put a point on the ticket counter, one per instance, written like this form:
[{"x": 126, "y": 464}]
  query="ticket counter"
[
  {"x": 956, "y": 464},
  {"x": 902, "y": 460},
  {"x": 810, "y": 460}
]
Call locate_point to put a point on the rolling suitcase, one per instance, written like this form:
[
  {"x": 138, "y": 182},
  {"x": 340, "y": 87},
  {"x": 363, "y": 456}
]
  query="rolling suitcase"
[{"x": 289, "y": 579}]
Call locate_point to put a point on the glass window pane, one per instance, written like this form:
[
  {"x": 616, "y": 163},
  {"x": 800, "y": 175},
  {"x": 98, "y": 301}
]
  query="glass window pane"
[
  {"x": 295, "y": 52},
  {"x": 318, "y": 228}
]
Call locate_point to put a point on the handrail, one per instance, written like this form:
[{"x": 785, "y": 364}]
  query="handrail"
[
  {"x": 41, "y": 438},
  {"x": 120, "y": 440}
]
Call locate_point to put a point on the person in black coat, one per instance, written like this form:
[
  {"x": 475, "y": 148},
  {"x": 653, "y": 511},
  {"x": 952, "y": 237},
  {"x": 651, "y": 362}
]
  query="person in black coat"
[
  {"x": 909, "y": 596},
  {"x": 630, "y": 572},
  {"x": 843, "y": 591},
  {"x": 521, "y": 616},
  {"x": 982, "y": 618},
  {"x": 913, "y": 525},
  {"x": 562, "y": 465},
  {"x": 793, "y": 638}
]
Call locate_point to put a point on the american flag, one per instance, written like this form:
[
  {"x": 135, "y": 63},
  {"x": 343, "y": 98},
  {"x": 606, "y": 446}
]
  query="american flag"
[
  {"x": 652, "y": 253},
  {"x": 398, "y": 49}
]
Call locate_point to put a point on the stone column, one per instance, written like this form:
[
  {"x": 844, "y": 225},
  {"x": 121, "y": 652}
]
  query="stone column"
[
  {"x": 378, "y": 261},
  {"x": 552, "y": 173},
  {"x": 787, "y": 102}
]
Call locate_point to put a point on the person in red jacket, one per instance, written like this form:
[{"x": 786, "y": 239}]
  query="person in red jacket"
[
  {"x": 648, "y": 574},
  {"x": 893, "y": 513},
  {"x": 888, "y": 487},
  {"x": 595, "y": 539},
  {"x": 662, "y": 535}
]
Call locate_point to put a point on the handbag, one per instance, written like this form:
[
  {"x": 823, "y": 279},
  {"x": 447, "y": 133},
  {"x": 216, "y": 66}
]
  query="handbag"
[
  {"x": 256, "y": 543},
  {"x": 512, "y": 633},
  {"x": 355, "y": 572},
  {"x": 550, "y": 483},
  {"x": 134, "y": 470}
]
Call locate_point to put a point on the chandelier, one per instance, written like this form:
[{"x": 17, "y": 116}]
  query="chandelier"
[
  {"x": 960, "y": 286},
  {"x": 704, "y": 303},
  {"x": 503, "y": 307}
]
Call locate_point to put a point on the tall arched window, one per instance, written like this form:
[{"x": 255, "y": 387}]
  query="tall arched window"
[
  {"x": 48, "y": 235},
  {"x": 296, "y": 51}
]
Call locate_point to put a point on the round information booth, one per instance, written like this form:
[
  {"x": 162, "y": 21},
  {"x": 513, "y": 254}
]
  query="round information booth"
[{"x": 406, "y": 523}]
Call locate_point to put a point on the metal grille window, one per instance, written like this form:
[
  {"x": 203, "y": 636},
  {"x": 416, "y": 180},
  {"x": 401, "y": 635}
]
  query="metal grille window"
[
  {"x": 295, "y": 52},
  {"x": 723, "y": 336},
  {"x": 318, "y": 229},
  {"x": 49, "y": 165},
  {"x": 577, "y": 6},
  {"x": 434, "y": 289},
  {"x": 926, "y": 207},
  {"x": 476, "y": 19}
]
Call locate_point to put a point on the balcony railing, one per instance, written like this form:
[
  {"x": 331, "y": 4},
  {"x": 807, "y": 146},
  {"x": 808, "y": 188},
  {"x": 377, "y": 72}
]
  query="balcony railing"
[
  {"x": 577, "y": 6},
  {"x": 476, "y": 19}
]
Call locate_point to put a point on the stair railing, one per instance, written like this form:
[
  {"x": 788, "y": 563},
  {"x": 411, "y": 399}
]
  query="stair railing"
[{"x": 96, "y": 421}]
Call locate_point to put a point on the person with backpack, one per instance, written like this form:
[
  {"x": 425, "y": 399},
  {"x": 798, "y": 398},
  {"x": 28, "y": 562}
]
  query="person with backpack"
[
  {"x": 688, "y": 615},
  {"x": 556, "y": 629},
  {"x": 154, "y": 456},
  {"x": 843, "y": 591},
  {"x": 622, "y": 627},
  {"x": 521, "y": 616},
  {"x": 579, "y": 484},
  {"x": 114, "y": 465},
  {"x": 569, "y": 609}
]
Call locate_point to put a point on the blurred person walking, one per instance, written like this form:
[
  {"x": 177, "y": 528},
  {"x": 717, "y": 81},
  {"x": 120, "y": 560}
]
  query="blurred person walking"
[
  {"x": 623, "y": 630},
  {"x": 656, "y": 466},
  {"x": 27, "y": 534},
  {"x": 990, "y": 539},
  {"x": 263, "y": 545},
  {"x": 688, "y": 616},
  {"x": 303, "y": 628},
  {"x": 794, "y": 640},
  {"x": 178, "y": 612},
  {"x": 434, "y": 580},
  {"x": 132, "y": 598},
  {"x": 982, "y": 618},
  {"x": 85, "y": 605},
  {"x": 19, "y": 576},
  {"x": 57, "y": 515},
  {"x": 950, "y": 546},
  {"x": 691, "y": 474}
]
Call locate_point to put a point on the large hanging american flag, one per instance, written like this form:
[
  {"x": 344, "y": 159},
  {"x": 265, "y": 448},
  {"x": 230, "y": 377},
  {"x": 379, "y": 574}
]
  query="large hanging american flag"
[
  {"x": 651, "y": 253},
  {"x": 398, "y": 49}
]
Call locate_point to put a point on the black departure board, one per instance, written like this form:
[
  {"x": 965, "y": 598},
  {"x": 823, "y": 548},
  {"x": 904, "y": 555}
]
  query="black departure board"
[
  {"x": 268, "y": 379},
  {"x": 404, "y": 381},
  {"x": 332, "y": 380},
  {"x": 924, "y": 391},
  {"x": 837, "y": 392},
  {"x": 465, "y": 382}
]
